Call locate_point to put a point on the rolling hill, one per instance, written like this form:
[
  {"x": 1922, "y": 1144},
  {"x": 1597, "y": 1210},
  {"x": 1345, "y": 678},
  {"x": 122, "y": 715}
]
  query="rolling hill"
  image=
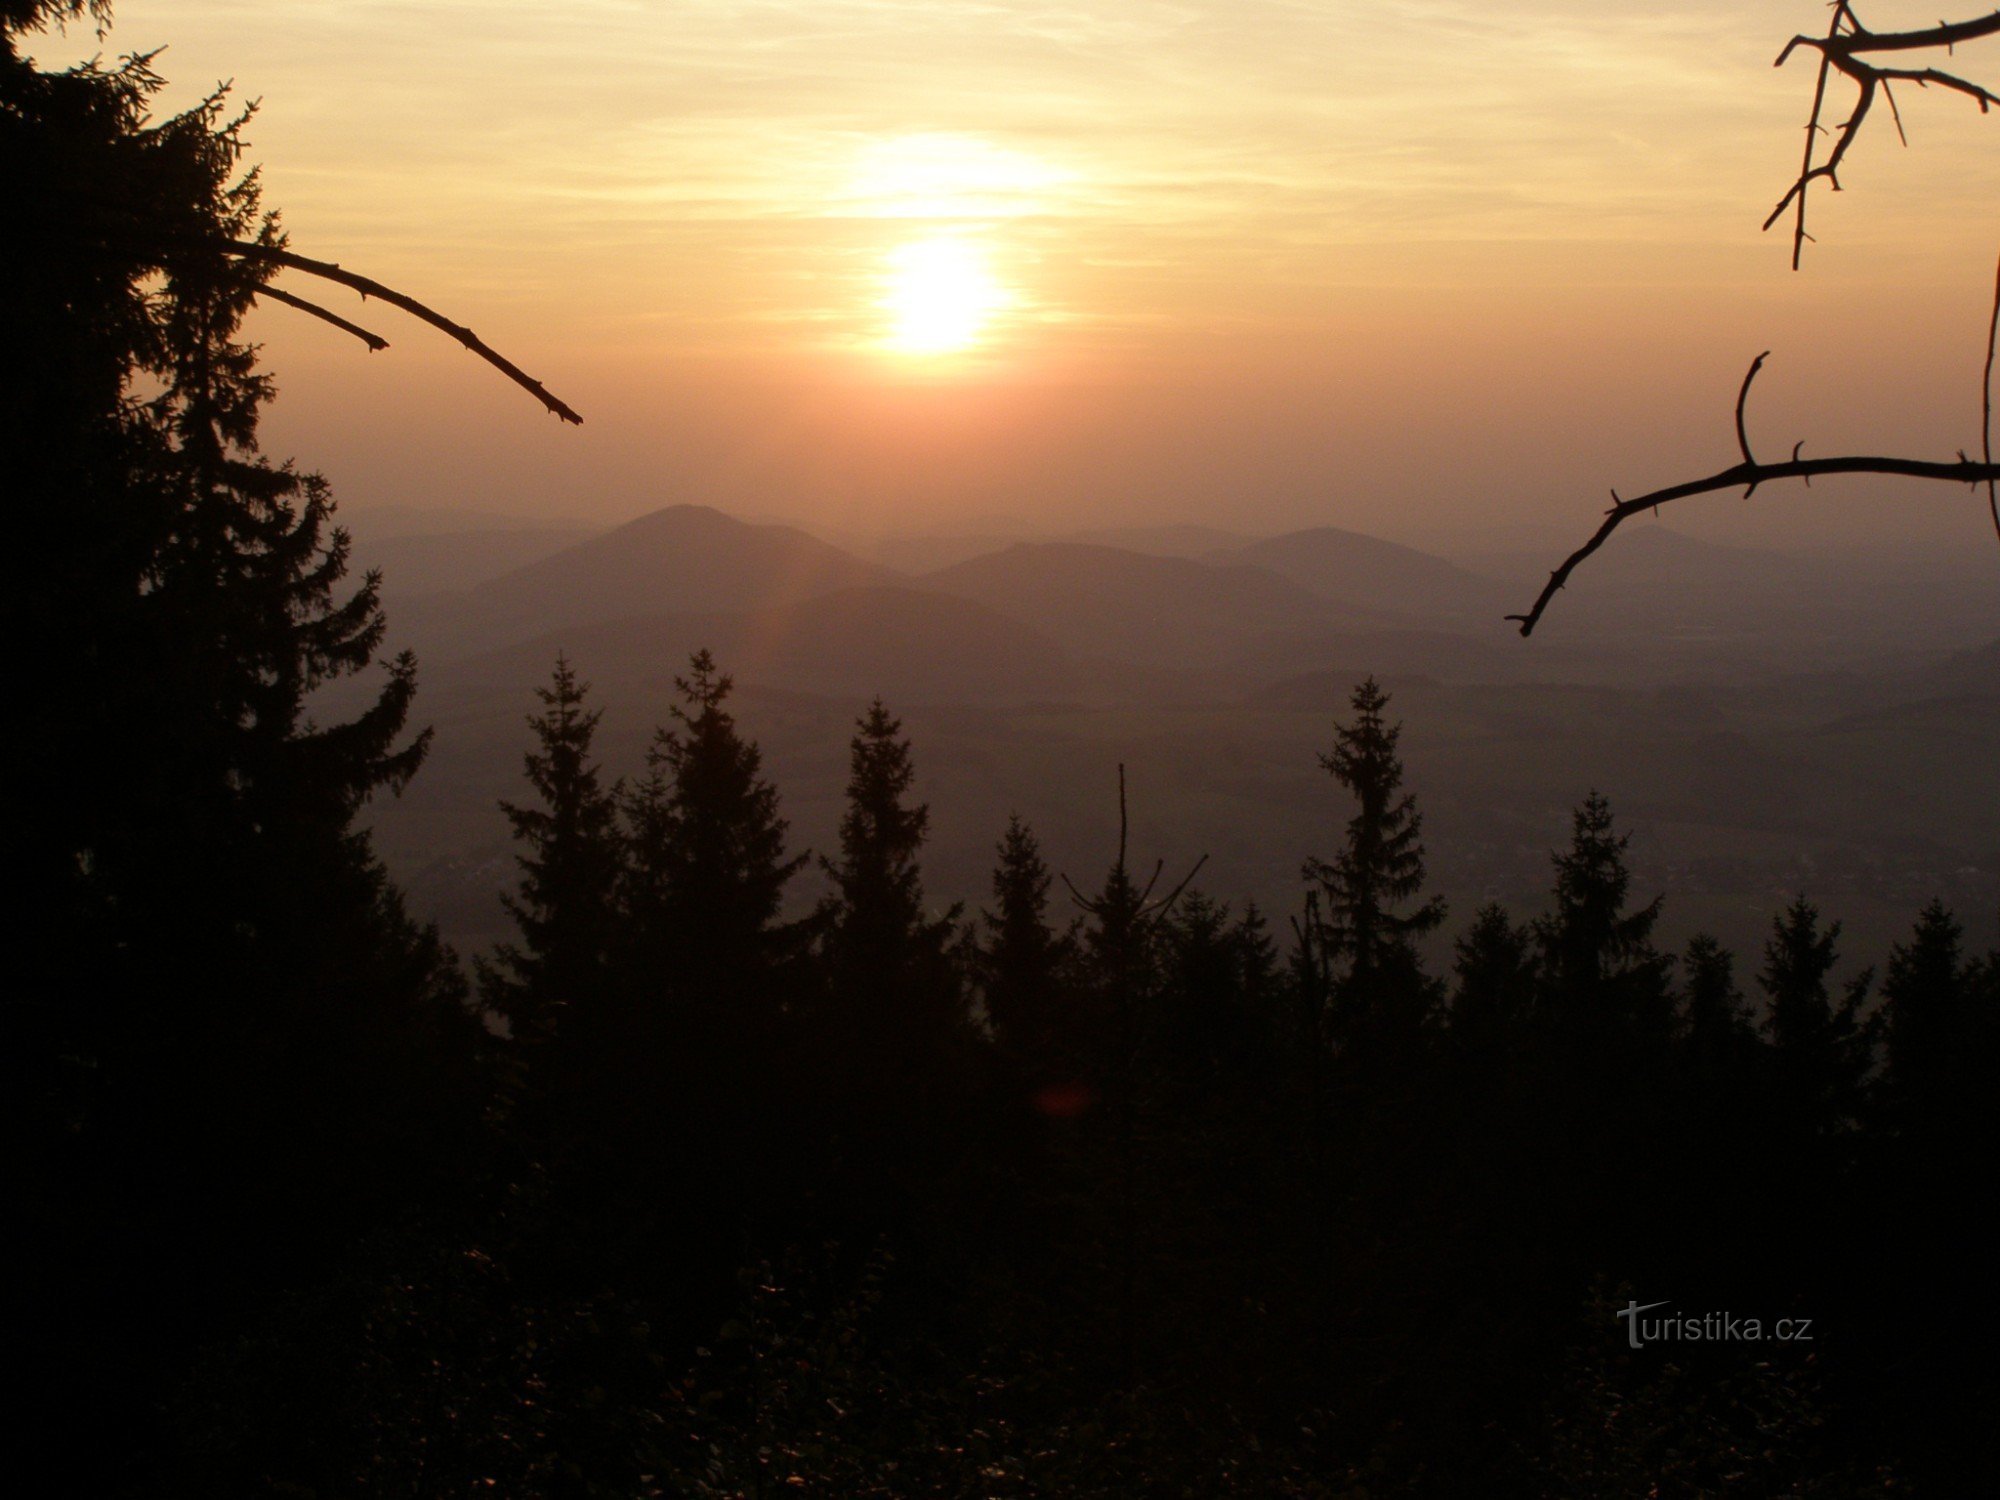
[
  {"x": 1107, "y": 602},
  {"x": 684, "y": 559}
]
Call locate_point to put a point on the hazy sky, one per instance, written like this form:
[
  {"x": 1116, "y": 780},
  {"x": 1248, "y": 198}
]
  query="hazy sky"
[{"x": 1405, "y": 265}]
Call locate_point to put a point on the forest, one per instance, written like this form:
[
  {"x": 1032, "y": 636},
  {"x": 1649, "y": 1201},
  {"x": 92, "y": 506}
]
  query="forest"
[{"x": 737, "y": 1169}]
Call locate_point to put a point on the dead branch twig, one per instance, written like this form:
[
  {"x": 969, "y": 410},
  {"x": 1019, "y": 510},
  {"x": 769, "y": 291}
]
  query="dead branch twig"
[
  {"x": 1845, "y": 48},
  {"x": 1750, "y": 473},
  {"x": 1986, "y": 404},
  {"x": 374, "y": 341},
  {"x": 368, "y": 287}
]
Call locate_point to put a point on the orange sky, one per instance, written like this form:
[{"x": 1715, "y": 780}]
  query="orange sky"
[{"x": 1403, "y": 266}]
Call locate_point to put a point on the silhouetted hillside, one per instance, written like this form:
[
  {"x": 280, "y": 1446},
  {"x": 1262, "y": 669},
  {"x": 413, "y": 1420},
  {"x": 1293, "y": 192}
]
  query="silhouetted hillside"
[
  {"x": 683, "y": 559},
  {"x": 1374, "y": 574},
  {"x": 1107, "y": 602}
]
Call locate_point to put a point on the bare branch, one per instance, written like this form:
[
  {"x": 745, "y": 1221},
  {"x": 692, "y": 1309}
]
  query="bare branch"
[
  {"x": 1925, "y": 77},
  {"x": 374, "y": 341},
  {"x": 1166, "y": 903},
  {"x": 1806, "y": 171},
  {"x": 1986, "y": 404},
  {"x": 1750, "y": 474},
  {"x": 368, "y": 287},
  {"x": 1144, "y": 909},
  {"x": 1742, "y": 396},
  {"x": 1944, "y": 34},
  {"x": 1845, "y": 48}
]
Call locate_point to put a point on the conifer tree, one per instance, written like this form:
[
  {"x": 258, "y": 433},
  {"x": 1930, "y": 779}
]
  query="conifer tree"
[
  {"x": 1257, "y": 957},
  {"x": 1494, "y": 965},
  {"x": 1599, "y": 965},
  {"x": 1823, "y": 1048},
  {"x": 1121, "y": 957},
  {"x": 1369, "y": 926},
  {"x": 1218, "y": 971},
  {"x": 1022, "y": 959},
  {"x": 1203, "y": 964},
  {"x": 202, "y": 896},
  {"x": 223, "y": 1007},
  {"x": 708, "y": 868},
  {"x": 886, "y": 954},
  {"x": 565, "y": 907},
  {"x": 1934, "y": 1028},
  {"x": 1715, "y": 1023}
]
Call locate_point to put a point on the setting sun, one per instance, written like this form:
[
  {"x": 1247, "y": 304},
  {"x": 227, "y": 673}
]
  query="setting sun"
[{"x": 941, "y": 296}]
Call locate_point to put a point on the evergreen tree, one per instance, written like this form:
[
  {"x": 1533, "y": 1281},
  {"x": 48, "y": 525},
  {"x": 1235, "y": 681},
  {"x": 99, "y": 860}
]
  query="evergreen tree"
[
  {"x": 1022, "y": 960},
  {"x": 1203, "y": 989},
  {"x": 1599, "y": 965},
  {"x": 708, "y": 869},
  {"x": 1494, "y": 965},
  {"x": 1257, "y": 958},
  {"x": 1218, "y": 975},
  {"x": 1934, "y": 1026},
  {"x": 1823, "y": 1049},
  {"x": 1369, "y": 929},
  {"x": 226, "y": 1029},
  {"x": 1714, "y": 1020},
  {"x": 1307, "y": 981},
  {"x": 201, "y": 897},
  {"x": 193, "y": 823},
  {"x": 565, "y": 907},
  {"x": 887, "y": 957},
  {"x": 1121, "y": 961}
]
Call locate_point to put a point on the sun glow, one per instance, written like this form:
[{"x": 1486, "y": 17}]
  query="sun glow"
[
  {"x": 941, "y": 295},
  {"x": 951, "y": 177}
]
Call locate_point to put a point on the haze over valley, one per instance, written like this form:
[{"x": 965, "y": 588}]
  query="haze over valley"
[{"x": 1766, "y": 723}]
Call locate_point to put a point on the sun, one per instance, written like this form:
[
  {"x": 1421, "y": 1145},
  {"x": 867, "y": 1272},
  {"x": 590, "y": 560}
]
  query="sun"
[{"x": 941, "y": 294}]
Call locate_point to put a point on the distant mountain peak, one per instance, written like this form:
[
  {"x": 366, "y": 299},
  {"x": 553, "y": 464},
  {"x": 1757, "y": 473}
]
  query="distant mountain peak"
[{"x": 681, "y": 558}]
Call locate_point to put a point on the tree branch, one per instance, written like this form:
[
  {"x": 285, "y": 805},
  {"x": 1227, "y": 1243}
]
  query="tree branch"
[
  {"x": 374, "y": 341},
  {"x": 367, "y": 287},
  {"x": 1749, "y": 473},
  {"x": 1844, "y": 48},
  {"x": 1986, "y": 404}
]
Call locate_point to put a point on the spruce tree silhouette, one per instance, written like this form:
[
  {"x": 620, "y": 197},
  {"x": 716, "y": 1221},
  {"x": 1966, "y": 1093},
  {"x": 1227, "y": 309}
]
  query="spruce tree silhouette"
[
  {"x": 1600, "y": 970},
  {"x": 1122, "y": 948},
  {"x": 708, "y": 867},
  {"x": 707, "y": 970},
  {"x": 1724, "y": 1098},
  {"x": 1715, "y": 1023},
  {"x": 1932, "y": 1025},
  {"x": 204, "y": 908},
  {"x": 570, "y": 860},
  {"x": 1023, "y": 963},
  {"x": 885, "y": 953},
  {"x": 1496, "y": 978},
  {"x": 895, "y": 1026},
  {"x": 1931, "y": 1232},
  {"x": 1823, "y": 1049},
  {"x": 553, "y": 987},
  {"x": 1216, "y": 979},
  {"x": 1257, "y": 955},
  {"x": 229, "y": 1030},
  {"x": 1367, "y": 929}
]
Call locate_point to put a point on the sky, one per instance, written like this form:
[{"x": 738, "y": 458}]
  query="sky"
[{"x": 1416, "y": 267}]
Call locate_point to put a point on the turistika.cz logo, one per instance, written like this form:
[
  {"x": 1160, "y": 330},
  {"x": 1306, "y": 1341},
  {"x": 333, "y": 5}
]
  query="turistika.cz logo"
[{"x": 1708, "y": 1328}]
